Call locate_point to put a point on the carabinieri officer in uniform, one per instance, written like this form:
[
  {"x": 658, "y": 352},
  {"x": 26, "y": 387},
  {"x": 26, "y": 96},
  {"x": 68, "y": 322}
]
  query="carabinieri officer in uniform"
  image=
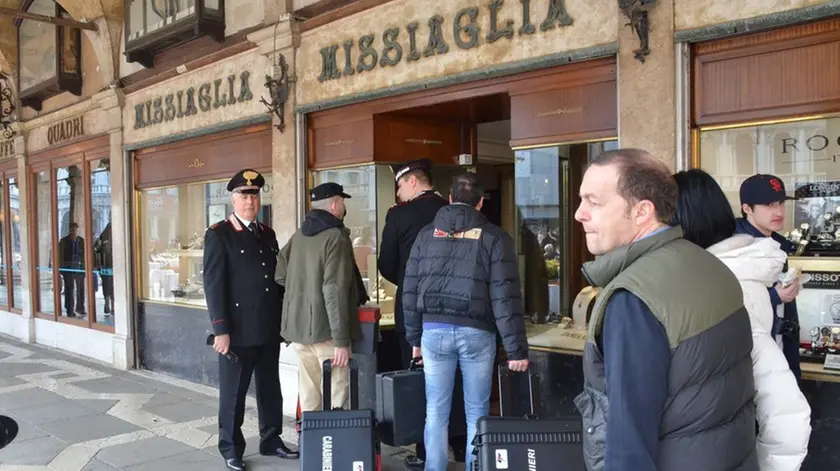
[
  {"x": 244, "y": 302},
  {"x": 419, "y": 203}
]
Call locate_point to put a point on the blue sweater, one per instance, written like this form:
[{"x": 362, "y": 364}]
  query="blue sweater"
[{"x": 637, "y": 357}]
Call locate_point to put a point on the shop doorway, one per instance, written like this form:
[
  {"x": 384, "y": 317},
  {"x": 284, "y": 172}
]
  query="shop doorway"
[{"x": 531, "y": 192}]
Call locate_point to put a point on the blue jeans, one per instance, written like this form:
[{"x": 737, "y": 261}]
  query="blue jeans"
[{"x": 444, "y": 349}]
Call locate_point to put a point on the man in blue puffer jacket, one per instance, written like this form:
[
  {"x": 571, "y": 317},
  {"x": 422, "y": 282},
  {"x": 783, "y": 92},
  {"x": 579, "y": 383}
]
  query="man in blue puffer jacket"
[{"x": 461, "y": 285}]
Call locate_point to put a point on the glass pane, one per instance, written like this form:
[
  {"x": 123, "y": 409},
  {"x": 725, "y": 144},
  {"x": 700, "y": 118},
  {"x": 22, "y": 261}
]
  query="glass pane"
[
  {"x": 37, "y": 47},
  {"x": 543, "y": 225},
  {"x": 14, "y": 220},
  {"x": 173, "y": 221},
  {"x": 71, "y": 245},
  {"x": 360, "y": 183},
  {"x": 212, "y": 6},
  {"x": 4, "y": 255},
  {"x": 103, "y": 258},
  {"x": 803, "y": 154},
  {"x": 43, "y": 208},
  {"x": 163, "y": 13}
]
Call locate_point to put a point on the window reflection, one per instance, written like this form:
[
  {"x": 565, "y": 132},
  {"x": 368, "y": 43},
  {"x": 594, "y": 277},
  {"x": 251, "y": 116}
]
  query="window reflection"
[
  {"x": 172, "y": 222},
  {"x": 800, "y": 153},
  {"x": 43, "y": 269},
  {"x": 4, "y": 255},
  {"x": 147, "y": 16},
  {"x": 71, "y": 245},
  {"x": 103, "y": 259},
  {"x": 360, "y": 183},
  {"x": 15, "y": 256}
]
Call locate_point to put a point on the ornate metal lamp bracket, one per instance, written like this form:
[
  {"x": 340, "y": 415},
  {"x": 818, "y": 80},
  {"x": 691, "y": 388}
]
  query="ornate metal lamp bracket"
[
  {"x": 7, "y": 107},
  {"x": 278, "y": 91},
  {"x": 637, "y": 12}
]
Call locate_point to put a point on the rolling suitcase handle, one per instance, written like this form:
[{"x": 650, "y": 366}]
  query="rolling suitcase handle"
[
  {"x": 326, "y": 385},
  {"x": 504, "y": 390}
]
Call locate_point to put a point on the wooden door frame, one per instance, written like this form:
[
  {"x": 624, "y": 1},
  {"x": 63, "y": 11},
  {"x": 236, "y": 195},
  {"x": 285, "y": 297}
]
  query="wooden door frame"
[
  {"x": 8, "y": 169},
  {"x": 79, "y": 154}
]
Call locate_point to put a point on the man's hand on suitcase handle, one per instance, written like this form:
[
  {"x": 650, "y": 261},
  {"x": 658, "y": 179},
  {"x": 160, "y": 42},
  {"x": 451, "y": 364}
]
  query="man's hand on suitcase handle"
[
  {"x": 518, "y": 365},
  {"x": 341, "y": 357},
  {"x": 417, "y": 354}
]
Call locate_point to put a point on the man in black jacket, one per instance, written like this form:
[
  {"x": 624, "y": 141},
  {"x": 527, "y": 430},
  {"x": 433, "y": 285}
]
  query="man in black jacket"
[
  {"x": 461, "y": 285},
  {"x": 240, "y": 256},
  {"x": 419, "y": 203}
]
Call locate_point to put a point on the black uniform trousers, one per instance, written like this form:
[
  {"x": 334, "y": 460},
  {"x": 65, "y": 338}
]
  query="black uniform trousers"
[
  {"x": 234, "y": 380},
  {"x": 458, "y": 443}
]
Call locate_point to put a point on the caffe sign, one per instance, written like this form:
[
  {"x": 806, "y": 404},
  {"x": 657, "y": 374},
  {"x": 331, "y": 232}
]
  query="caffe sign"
[{"x": 436, "y": 36}]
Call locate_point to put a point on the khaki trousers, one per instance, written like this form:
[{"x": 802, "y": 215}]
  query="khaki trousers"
[{"x": 310, "y": 372}]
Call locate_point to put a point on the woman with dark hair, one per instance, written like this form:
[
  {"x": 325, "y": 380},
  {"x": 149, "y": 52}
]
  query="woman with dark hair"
[{"x": 783, "y": 414}]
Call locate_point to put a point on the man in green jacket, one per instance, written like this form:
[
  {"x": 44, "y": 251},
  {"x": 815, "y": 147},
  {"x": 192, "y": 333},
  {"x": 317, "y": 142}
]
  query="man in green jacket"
[{"x": 317, "y": 269}]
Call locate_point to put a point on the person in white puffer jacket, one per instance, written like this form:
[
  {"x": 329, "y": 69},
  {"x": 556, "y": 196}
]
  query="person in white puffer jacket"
[{"x": 782, "y": 412}]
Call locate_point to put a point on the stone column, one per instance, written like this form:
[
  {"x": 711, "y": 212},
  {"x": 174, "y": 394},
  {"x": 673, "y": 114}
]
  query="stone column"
[
  {"x": 111, "y": 101},
  {"x": 647, "y": 91},
  {"x": 286, "y": 37},
  {"x": 285, "y": 201},
  {"x": 26, "y": 228}
]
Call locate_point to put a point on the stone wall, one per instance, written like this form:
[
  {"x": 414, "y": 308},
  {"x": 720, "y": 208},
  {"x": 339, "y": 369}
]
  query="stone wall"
[
  {"x": 592, "y": 23},
  {"x": 39, "y": 137},
  {"x": 690, "y": 14}
]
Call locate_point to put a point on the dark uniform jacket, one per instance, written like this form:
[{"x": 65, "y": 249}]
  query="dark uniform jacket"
[
  {"x": 402, "y": 224},
  {"x": 463, "y": 271},
  {"x": 242, "y": 297}
]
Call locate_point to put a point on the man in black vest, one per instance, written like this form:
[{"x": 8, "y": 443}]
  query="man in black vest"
[
  {"x": 240, "y": 255},
  {"x": 418, "y": 204}
]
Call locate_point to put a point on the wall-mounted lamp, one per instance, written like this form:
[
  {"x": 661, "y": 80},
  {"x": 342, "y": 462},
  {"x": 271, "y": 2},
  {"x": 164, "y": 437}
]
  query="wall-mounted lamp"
[
  {"x": 637, "y": 12},
  {"x": 278, "y": 91}
]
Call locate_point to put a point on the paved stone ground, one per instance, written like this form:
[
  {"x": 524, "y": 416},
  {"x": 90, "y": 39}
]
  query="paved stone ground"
[{"x": 78, "y": 415}]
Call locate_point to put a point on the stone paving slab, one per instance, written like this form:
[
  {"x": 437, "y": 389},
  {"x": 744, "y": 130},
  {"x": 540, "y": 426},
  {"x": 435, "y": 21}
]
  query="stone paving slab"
[{"x": 78, "y": 415}]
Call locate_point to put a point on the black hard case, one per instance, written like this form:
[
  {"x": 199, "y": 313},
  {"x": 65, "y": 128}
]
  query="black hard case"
[
  {"x": 336, "y": 438},
  {"x": 527, "y": 443},
  {"x": 401, "y": 406}
]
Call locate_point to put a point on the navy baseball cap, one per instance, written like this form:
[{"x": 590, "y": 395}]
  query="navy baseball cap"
[
  {"x": 327, "y": 190},
  {"x": 763, "y": 189}
]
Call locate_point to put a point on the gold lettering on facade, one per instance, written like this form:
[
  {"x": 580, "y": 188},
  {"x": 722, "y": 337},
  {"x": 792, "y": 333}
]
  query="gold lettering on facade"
[
  {"x": 560, "y": 111},
  {"x": 66, "y": 130},
  {"x": 338, "y": 143},
  {"x": 197, "y": 163},
  {"x": 423, "y": 141}
]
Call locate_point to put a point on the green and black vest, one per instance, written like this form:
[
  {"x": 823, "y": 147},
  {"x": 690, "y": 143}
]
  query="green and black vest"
[{"x": 709, "y": 419}]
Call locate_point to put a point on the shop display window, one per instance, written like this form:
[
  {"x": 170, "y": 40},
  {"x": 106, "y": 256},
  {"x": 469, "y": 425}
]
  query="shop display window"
[
  {"x": 103, "y": 257},
  {"x": 371, "y": 188},
  {"x": 13, "y": 235},
  {"x": 71, "y": 210},
  {"x": 805, "y": 154},
  {"x": 172, "y": 222}
]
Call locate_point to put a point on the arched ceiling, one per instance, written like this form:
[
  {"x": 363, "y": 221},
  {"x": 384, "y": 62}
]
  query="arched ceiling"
[{"x": 82, "y": 10}]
